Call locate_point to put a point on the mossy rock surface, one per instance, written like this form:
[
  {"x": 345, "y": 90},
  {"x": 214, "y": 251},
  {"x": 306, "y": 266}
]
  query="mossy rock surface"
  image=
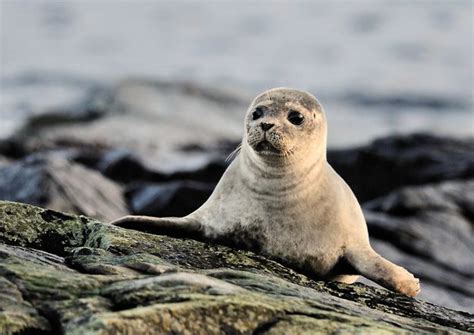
[{"x": 61, "y": 273}]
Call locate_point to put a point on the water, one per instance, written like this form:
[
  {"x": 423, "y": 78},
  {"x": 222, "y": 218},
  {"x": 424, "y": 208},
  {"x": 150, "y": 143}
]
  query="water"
[{"x": 378, "y": 67}]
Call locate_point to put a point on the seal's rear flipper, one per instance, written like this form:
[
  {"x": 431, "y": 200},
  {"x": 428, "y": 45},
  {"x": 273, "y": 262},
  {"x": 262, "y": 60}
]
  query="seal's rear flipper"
[
  {"x": 173, "y": 227},
  {"x": 374, "y": 267}
]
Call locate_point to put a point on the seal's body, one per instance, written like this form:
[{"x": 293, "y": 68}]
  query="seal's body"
[{"x": 280, "y": 197}]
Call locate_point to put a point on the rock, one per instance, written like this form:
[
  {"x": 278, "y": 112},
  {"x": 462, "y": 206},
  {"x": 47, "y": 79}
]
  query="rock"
[
  {"x": 18, "y": 316},
  {"x": 123, "y": 166},
  {"x": 210, "y": 172},
  {"x": 95, "y": 103},
  {"x": 31, "y": 102},
  {"x": 452, "y": 196},
  {"x": 98, "y": 279},
  {"x": 439, "y": 285},
  {"x": 429, "y": 230},
  {"x": 177, "y": 198},
  {"x": 4, "y": 161},
  {"x": 53, "y": 182},
  {"x": 153, "y": 120},
  {"x": 12, "y": 148},
  {"x": 85, "y": 153},
  {"x": 395, "y": 161}
]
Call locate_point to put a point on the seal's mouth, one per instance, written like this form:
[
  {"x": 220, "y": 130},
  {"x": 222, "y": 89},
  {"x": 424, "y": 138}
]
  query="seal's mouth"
[{"x": 266, "y": 147}]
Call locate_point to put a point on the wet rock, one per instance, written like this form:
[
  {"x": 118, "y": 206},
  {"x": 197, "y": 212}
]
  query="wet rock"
[
  {"x": 101, "y": 285},
  {"x": 55, "y": 183},
  {"x": 177, "y": 198},
  {"x": 429, "y": 229},
  {"x": 395, "y": 161}
]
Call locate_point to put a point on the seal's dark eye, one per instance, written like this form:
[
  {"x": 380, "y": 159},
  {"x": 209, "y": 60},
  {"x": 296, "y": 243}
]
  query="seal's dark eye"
[
  {"x": 295, "y": 117},
  {"x": 257, "y": 113}
]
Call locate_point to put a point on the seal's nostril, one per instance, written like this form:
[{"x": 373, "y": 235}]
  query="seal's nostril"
[{"x": 266, "y": 126}]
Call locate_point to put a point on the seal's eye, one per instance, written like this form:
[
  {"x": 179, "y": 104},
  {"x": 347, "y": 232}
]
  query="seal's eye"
[
  {"x": 257, "y": 113},
  {"x": 295, "y": 117}
]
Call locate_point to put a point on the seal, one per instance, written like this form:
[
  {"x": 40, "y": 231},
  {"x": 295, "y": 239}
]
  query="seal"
[{"x": 281, "y": 198}]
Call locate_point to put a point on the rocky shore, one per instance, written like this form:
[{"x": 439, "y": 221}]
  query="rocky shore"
[
  {"x": 119, "y": 151},
  {"x": 61, "y": 273}
]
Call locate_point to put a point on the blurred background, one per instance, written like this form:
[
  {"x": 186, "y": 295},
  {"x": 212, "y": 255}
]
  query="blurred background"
[
  {"x": 378, "y": 67},
  {"x": 108, "y": 108}
]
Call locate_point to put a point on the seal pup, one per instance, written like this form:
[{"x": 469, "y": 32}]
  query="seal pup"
[{"x": 281, "y": 198}]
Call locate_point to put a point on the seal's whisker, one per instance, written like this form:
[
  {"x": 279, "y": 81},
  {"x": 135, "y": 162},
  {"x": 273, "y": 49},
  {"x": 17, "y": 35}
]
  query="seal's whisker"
[{"x": 234, "y": 153}]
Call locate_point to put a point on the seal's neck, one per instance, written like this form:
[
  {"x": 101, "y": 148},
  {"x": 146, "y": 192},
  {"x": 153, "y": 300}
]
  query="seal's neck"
[{"x": 276, "y": 175}]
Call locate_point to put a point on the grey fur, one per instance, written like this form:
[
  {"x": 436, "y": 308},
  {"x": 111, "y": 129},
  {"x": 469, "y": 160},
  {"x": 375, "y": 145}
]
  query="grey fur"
[{"x": 285, "y": 201}]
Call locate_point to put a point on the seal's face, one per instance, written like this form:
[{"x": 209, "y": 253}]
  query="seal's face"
[{"x": 279, "y": 119}]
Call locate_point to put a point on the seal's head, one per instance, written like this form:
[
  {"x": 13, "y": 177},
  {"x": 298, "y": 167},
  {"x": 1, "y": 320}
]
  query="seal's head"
[{"x": 284, "y": 123}]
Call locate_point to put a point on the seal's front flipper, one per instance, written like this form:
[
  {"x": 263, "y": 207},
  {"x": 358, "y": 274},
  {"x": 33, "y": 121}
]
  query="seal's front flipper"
[
  {"x": 173, "y": 227},
  {"x": 374, "y": 267}
]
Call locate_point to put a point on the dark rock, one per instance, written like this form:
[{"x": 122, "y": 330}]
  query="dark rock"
[
  {"x": 113, "y": 281},
  {"x": 85, "y": 153},
  {"x": 119, "y": 164},
  {"x": 210, "y": 172},
  {"x": 396, "y": 161},
  {"x": 177, "y": 198},
  {"x": 429, "y": 229},
  {"x": 123, "y": 166},
  {"x": 88, "y": 156},
  {"x": 451, "y": 196},
  {"x": 12, "y": 148},
  {"x": 55, "y": 183}
]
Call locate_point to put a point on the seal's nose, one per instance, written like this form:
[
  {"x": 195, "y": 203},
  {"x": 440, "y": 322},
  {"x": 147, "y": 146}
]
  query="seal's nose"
[{"x": 266, "y": 126}]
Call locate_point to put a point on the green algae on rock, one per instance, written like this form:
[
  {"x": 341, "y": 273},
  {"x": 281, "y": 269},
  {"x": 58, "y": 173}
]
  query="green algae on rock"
[{"x": 61, "y": 273}]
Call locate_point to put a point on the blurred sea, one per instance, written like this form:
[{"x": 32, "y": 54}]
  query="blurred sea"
[{"x": 378, "y": 67}]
